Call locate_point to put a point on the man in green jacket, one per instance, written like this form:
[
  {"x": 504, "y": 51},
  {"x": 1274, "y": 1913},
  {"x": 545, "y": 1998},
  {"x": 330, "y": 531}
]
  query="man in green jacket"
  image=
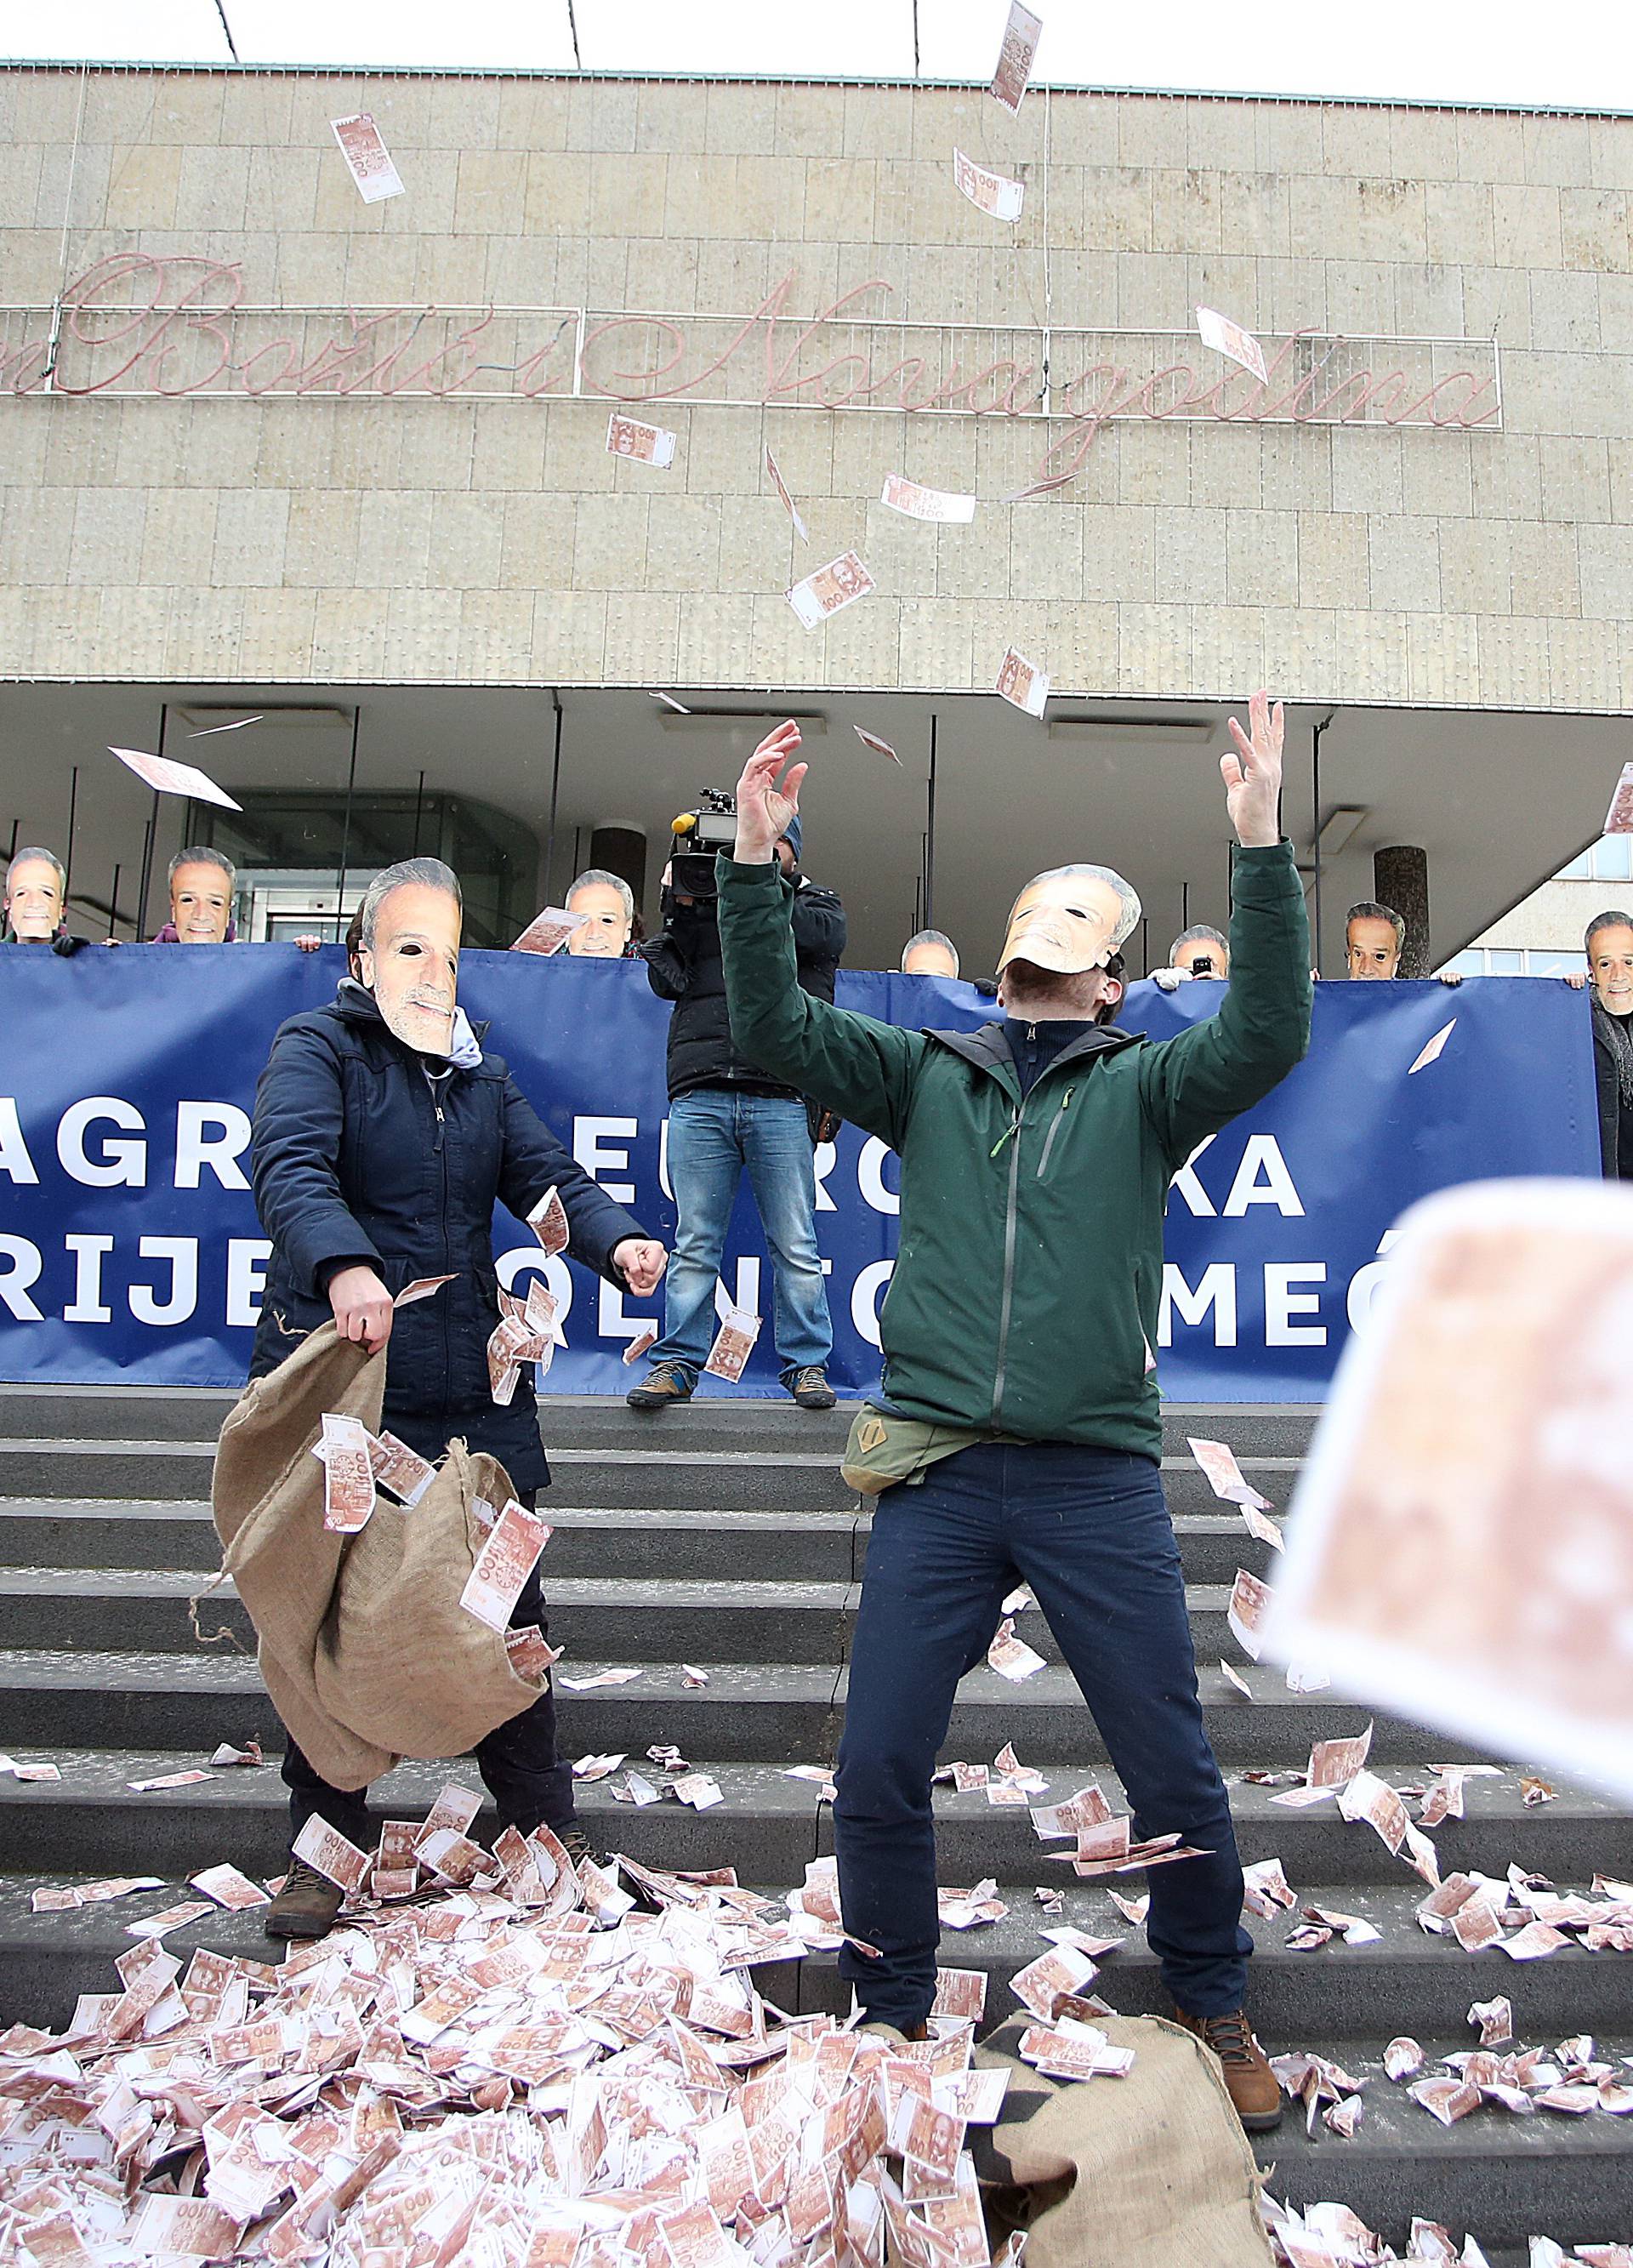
[{"x": 1017, "y": 1425}]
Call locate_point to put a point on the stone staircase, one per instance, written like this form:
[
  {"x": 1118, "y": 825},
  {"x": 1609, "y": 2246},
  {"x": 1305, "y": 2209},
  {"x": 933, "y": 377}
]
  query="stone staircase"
[{"x": 721, "y": 1535}]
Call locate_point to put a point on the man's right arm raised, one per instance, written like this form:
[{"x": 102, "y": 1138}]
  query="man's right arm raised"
[{"x": 861, "y": 1068}]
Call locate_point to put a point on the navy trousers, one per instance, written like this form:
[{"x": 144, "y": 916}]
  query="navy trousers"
[
  {"x": 1089, "y": 1530},
  {"x": 518, "y": 1762}
]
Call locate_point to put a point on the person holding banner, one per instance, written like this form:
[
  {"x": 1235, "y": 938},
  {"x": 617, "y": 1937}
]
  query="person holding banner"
[
  {"x": 383, "y": 1135},
  {"x": 1017, "y": 1434},
  {"x": 35, "y": 882}
]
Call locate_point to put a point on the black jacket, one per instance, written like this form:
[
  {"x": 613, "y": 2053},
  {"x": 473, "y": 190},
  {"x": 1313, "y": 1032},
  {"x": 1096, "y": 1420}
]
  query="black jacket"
[
  {"x": 354, "y": 1157},
  {"x": 1616, "y": 1155},
  {"x": 683, "y": 965}
]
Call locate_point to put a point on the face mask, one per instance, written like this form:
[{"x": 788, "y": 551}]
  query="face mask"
[
  {"x": 35, "y": 908},
  {"x": 201, "y": 905},
  {"x": 413, "y": 967},
  {"x": 1068, "y": 922},
  {"x": 604, "y": 931}
]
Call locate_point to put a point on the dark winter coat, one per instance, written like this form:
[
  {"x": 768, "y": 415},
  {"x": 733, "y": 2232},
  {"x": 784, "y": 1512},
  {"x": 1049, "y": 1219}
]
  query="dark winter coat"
[
  {"x": 683, "y": 964},
  {"x": 1616, "y": 1146},
  {"x": 355, "y": 1156},
  {"x": 1026, "y": 1295}
]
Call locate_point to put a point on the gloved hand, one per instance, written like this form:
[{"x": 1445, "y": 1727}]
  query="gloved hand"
[
  {"x": 68, "y": 947},
  {"x": 1169, "y": 980}
]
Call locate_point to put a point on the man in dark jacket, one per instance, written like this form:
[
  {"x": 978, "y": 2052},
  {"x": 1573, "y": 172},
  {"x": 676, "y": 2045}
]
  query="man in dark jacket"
[
  {"x": 726, "y": 1117},
  {"x": 383, "y": 1135},
  {"x": 1017, "y": 1434}
]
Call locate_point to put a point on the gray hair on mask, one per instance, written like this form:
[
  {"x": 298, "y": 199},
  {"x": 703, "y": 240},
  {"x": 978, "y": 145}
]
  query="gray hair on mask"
[
  {"x": 1198, "y": 933},
  {"x": 428, "y": 873},
  {"x": 19, "y": 857},
  {"x": 929, "y": 937},
  {"x": 202, "y": 855},
  {"x": 600, "y": 877},
  {"x": 1128, "y": 920}
]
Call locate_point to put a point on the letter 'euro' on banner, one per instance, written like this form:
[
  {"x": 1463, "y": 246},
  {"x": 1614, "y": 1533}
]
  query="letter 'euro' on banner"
[
  {"x": 1017, "y": 56},
  {"x": 1460, "y": 1545},
  {"x": 367, "y": 159},
  {"x": 648, "y": 445},
  {"x": 1228, "y": 338},
  {"x": 166, "y": 777},
  {"x": 991, "y": 193}
]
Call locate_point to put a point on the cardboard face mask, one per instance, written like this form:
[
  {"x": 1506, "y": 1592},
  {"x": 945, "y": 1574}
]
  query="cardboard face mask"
[
  {"x": 604, "y": 931},
  {"x": 1069, "y": 923},
  {"x": 201, "y": 903},
  {"x": 413, "y": 969},
  {"x": 34, "y": 900}
]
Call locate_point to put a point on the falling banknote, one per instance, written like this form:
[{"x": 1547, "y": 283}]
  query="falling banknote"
[{"x": 1460, "y": 1549}]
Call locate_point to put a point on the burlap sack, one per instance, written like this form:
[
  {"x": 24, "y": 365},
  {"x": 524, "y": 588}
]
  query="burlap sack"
[
  {"x": 366, "y": 1652},
  {"x": 1150, "y": 2171}
]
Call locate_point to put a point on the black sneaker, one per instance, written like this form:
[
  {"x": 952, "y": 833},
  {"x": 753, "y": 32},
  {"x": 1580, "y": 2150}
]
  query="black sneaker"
[
  {"x": 663, "y": 1385},
  {"x": 811, "y": 1389}
]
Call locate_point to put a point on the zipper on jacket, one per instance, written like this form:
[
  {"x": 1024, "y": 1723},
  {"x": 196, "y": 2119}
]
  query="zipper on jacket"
[
  {"x": 1009, "y": 1267},
  {"x": 1049, "y": 1139}
]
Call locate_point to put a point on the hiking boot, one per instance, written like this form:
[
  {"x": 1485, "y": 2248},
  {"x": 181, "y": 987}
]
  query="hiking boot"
[
  {"x": 663, "y": 1385},
  {"x": 1254, "y": 2087},
  {"x": 811, "y": 1389},
  {"x": 304, "y": 1907}
]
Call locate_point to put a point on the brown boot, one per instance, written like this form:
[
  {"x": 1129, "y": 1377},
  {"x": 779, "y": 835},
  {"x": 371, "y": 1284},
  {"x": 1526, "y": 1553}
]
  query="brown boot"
[
  {"x": 306, "y": 1906},
  {"x": 1255, "y": 2089}
]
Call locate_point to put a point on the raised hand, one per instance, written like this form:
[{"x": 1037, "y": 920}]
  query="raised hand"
[
  {"x": 763, "y": 807},
  {"x": 1253, "y": 776}
]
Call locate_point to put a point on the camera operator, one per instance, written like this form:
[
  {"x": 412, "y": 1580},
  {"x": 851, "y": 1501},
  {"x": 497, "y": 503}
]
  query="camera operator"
[
  {"x": 727, "y": 1116},
  {"x": 1197, "y": 951}
]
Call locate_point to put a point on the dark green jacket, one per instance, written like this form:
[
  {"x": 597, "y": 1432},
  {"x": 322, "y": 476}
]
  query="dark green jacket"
[{"x": 1030, "y": 1268}]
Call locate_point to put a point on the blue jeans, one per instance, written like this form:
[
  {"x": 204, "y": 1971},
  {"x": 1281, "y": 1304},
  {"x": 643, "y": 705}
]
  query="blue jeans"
[
  {"x": 1089, "y": 1530},
  {"x": 713, "y": 1136}
]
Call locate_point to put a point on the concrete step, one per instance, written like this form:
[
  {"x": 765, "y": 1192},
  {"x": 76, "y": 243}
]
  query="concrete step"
[
  {"x": 656, "y": 1541},
  {"x": 630, "y": 1475},
  {"x": 1505, "y": 2178},
  {"x": 770, "y": 1712},
  {"x": 1502, "y": 2177},
  {"x": 1406, "y": 1982},
  {"x": 79, "y": 1821},
  {"x": 587, "y": 1421},
  {"x": 667, "y": 1620}
]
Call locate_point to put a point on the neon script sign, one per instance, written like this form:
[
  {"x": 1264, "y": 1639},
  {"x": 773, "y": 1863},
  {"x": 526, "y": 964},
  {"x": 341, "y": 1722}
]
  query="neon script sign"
[{"x": 136, "y": 326}]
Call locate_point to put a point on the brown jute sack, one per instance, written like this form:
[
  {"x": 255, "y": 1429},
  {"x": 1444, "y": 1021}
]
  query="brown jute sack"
[
  {"x": 1150, "y": 2171},
  {"x": 365, "y": 1649}
]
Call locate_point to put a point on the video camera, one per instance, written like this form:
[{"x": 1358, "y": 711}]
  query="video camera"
[{"x": 699, "y": 836}]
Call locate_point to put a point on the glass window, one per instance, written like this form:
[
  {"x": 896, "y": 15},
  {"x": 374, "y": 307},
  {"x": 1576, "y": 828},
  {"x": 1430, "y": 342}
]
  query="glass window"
[
  {"x": 1504, "y": 961},
  {"x": 1579, "y": 870},
  {"x": 1471, "y": 963},
  {"x": 1613, "y": 858}
]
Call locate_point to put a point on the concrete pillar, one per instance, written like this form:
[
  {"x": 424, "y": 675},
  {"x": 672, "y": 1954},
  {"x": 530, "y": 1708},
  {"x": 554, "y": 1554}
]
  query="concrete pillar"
[
  {"x": 621, "y": 850},
  {"x": 1400, "y": 879}
]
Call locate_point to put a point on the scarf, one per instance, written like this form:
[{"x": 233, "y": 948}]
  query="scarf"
[{"x": 1619, "y": 1043}]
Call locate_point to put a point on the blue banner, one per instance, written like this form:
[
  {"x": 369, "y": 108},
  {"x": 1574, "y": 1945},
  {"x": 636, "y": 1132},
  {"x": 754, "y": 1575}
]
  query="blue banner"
[{"x": 129, "y": 1247}]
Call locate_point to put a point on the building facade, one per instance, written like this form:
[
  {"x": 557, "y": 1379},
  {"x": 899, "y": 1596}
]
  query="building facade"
[{"x": 261, "y": 442}]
